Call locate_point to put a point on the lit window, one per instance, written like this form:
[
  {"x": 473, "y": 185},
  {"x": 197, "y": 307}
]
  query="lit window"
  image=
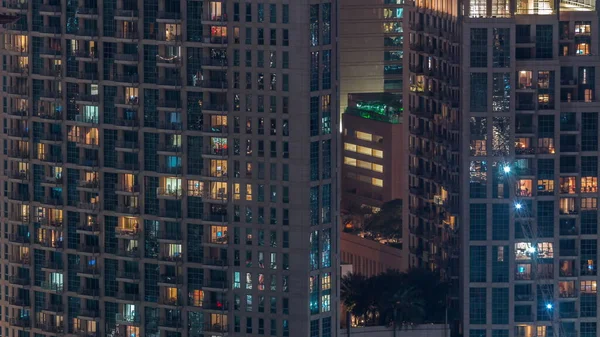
[
  {"x": 377, "y": 182},
  {"x": 350, "y": 147},
  {"x": 588, "y": 287},
  {"x": 364, "y": 136}
]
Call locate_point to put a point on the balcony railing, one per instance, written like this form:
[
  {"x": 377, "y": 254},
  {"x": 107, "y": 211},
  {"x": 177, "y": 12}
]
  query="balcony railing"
[
  {"x": 87, "y": 11},
  {"x": 130, "y": 275},
  {"x": 50, "y": 8},
  {"x": 162, "y": 15},
  {"x": 126, "y": 57},
  {"x": 170, "y": 192},
  {"x": 21, "y": 322},
  {"x": 19, "y": 301},
  {"x": 89, "y": 227},
  {"x": 23, "y": 281},
  {"x": 127, "y": 319},
  {"x": 128, "y": 13}
]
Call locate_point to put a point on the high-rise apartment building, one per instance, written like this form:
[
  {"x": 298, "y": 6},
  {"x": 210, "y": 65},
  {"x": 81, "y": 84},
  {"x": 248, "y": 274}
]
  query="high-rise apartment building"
[
  {"x": 503, "y": 128},
  {"x": 370, "y": 43},
  {"x": 170, "y": 168}
]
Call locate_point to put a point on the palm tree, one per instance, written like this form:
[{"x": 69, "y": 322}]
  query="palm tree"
[
  {"x": 355, "y": 295},
  {"x": 408, "y": 306}
]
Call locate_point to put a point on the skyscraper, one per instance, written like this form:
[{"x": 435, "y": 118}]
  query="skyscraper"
[
  {"x": 504, "y": 160},
  {"x": 370, "y": 43},
  {"x": 170, "y": 168}
]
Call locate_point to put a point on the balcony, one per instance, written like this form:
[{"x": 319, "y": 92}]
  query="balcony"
[
  {"x": 215, "y": 62},
  {"x": 87, "y": 270},
  {"x": 215, "y": 129},
  {"x": 571, "y": 293},
  {"x": 50, "y": 9},
  {"x": 87, "y": 33},
  {"x": 53, "y": 265},
  {"x": 128, "y": 297},
  {"x": 126, "y": 78},
  {"x": 127, "y": 123},
  {"x": 173, "y": 323},
  {"x": 221, "y": 85},
  {"x": 80, "y": 332},
  {"x": 134, "y": 253},
  {"x": 128, "y": 276},
  {"x": 49, "y": 327},
  {"x": 18, "y": 154},
  {"x": 56, "y": 223},
  {"x": 52, "y": 286},
  {"x": 89, "y": 313},
  {"x": 125, "y": 14},
  {"x": 53, "y": 308},
  {"x": 214, "y": 108},
  {"x": 51, "y": 116},
  {"x": 174, "y": 170},
  {"x": 170, "y": 300},
  {"x": 170, "y": 280},
  {"x": 169, "y": 148},
  {"x": 128, "y": 166},
  {"x": 22, "y": 259},
  {"x": 169, "y": 104},
  {"x": 17, "y": 196},
  {"x": 164, "y": 16},
  {"x": 127, "y": 146},
  {"x": 169, "y": 82},
  {"x": 20, "y": 113},
  {"x": 52, "y": 201},
  {"x": 17, "y": 70},
  {"x": 568, "y": 314},
  {"x": 127, "y": 189},
  {"x": 127, "y": 101},
  {"x": 127, "y": 233},
  {"x": 50, "y": 243},
  {"x": 19, "y": 301},
  {"x": 50, "y": 52},
  {"x": 87, "y": 12},
  {"x": 169, "y": 236},
  {"x": 15, "y": 6},
  {"x": 89, "y": 249},
  {"x": 51, "y": 137},
  {"x": 51, "y": 94},
  {"x": 126, "y": 35},
  {"x": 215, "y": 328},
  {"x": 87, "y": 99},
  {"x": 130, "y": 59},
  {"x": 128, "y": 319},
  {"x": 18, "y": 91},
  {"x": 17, "y": 175},
  {"x": 89, "y": 228},
  {"x": 21, "y": 281},
  {"x": 130, "y": 210},
  {"x": 169, "y": 193},
  {"x": 214, "y": 262},
  {"x": 91, "y": 185},
  {"x": 21, "y": 322},
  {"x": 220, "y": 41},
  {"x": 88, "y": 291},
  {"x": 19, "y": 238}
]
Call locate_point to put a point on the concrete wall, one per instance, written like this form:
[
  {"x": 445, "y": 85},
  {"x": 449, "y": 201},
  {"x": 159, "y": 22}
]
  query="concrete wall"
[
  {"x": 427, "y": 330},
  {"x": 368, "y": 257}
]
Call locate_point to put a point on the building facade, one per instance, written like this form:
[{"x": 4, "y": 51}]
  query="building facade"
[
  {"x": 368, "y": 257},
  {"x": 504, "y": 160},
  {"x": 140, "y": 199},
  {"x": 370, "y": 47},
  {"x": 373, "y": 166}
]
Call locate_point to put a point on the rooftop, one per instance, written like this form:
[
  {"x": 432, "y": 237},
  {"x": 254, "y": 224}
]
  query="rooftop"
[{"x": 383, "y": 107}]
